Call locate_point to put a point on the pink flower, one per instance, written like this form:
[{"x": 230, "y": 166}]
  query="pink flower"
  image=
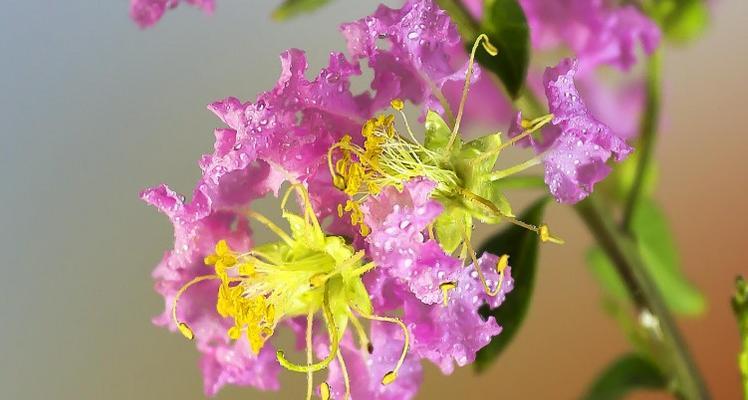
[
  {"x": 284, "y": 135},
  {"x": 147, "y": 12}
]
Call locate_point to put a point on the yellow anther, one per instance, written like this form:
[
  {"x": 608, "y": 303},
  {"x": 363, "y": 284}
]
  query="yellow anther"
[
  {"x": 340, "y": 210},
  {"x": 266, "y": 332},
  {"x": 545, "y": 235},
  {"x": 525, "y": 124},
  {"x": 234, "y": 332},
  {"x": 446, "y": 287},
  {"x": 397, "y": 104},
  {"x": 502, "y": 263},
  {"x": 186, "y": 331},
  {"x": 270, "y": 313},
  {"x": 389, "y": 377},
  {"x": 339, "y": 182},
  {"x": 324, "y": 391},
  {"x": 223, "y": 257},
  {"x": 366, "y": 131},
  {"x": 488, "y": 47},
  {"x": 246, "y": 269},
  {"x": 256, "y": 341},
  {"x": 211, "y": 259}
]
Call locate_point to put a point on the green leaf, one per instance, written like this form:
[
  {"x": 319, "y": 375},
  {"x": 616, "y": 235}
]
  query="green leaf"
[
  {"x": 680, "y": 20},
  {"x": 624, "y": 375},
  {"x": 506, "y": 26},
  {"x": 476, "y": 160},
  {"x": 660, "y": 257},
  {"x": 292, "y": 8},
  {"x": 449, "y": 226},
  {"x": 522, "y": 246}
]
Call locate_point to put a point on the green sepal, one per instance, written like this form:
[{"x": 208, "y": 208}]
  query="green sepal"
[
  {"x": 476, "y": 160},
  {"x": 449, "y": 227},
  {"x": 438, "y": 133}
]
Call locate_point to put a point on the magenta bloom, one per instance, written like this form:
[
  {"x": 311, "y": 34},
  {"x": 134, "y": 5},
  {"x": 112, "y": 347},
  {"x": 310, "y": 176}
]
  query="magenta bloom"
[
  {"x": 284, "y": 136},
  {"x": 576, "y": 146},
  {"x": 147, "y": 12}
]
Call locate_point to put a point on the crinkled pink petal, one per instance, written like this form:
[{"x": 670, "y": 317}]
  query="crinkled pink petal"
[
  {"x": 576, "y": 146},
  {"x": 286, "y": 132},
  {"x": 147, "y": 12},
  {"x": 423, "y": 52},
  {"x": 235, "y": 364},
  {"x": 366, "y": 370},
  {"x": 617, "y": 104},
  {"x": 397, "y": 244},
  {"x": 454, "y": 333}
]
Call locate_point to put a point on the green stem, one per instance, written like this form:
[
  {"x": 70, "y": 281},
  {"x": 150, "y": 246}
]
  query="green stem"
[
  {"x": 647, "y": 136},
  {"x": 646, "y": 296}
]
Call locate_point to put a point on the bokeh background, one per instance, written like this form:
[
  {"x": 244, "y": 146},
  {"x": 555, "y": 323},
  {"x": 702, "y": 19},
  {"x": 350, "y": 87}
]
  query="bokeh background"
[{"x": 92, "y": 110}]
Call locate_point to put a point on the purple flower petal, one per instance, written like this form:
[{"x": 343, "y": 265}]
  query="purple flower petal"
[
  {"x": 455, "y": 333},
  {"x": 397, "y": 244},
  {"x": 147, "y": 12},
  {"x": 285, "y": 133},
  {"x": 576, "y": 146},
  {"x": 424, "y": 51},
  {"x": 236, "y": 365}
]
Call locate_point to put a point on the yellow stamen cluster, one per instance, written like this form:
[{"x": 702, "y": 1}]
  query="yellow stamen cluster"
[
  {"x": 386, "y": 159},
  {"x": 305, "y": 273}
]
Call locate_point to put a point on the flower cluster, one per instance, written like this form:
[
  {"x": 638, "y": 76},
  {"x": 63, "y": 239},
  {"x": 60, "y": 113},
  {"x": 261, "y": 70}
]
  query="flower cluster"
[{"x": 385, "y": 220}]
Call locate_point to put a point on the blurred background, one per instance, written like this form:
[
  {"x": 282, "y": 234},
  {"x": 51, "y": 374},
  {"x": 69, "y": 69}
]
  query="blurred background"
[{"x": 92, "y": 110}]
